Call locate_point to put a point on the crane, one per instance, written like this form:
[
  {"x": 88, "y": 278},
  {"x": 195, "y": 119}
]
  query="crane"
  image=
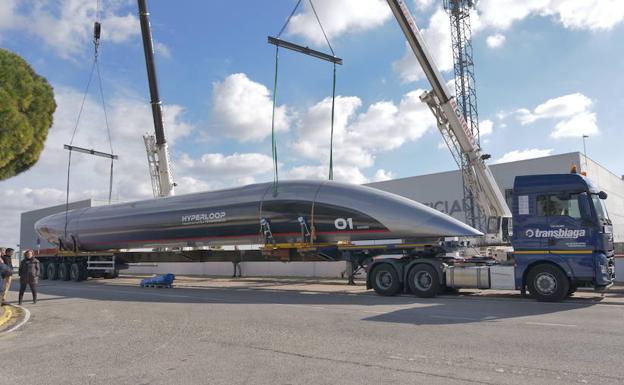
[
  {"x": 457, "y": 134},
  {"x": 156, "y": 145}
]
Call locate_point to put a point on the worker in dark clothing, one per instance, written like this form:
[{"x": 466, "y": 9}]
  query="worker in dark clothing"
[
  {"x": 29, "y": 275},
  {"x": 7, "y": 260}
]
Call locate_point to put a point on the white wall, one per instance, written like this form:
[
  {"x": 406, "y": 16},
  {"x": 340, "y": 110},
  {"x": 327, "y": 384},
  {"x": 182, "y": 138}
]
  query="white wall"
[{"x": 248, "y": 269}]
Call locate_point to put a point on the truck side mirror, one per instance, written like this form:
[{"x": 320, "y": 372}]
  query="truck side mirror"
[
  {"x": 507, "y": 226},
  {"x": 602, "y": 195}
]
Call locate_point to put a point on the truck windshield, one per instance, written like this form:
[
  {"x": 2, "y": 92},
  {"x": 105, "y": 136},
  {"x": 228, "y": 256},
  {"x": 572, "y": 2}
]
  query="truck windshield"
[{"x": 601, "y": 210}]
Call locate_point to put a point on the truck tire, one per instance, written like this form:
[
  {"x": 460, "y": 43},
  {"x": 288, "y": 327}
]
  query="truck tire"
[
  {"x": 385, "y": 280},
  {"x": 52, "y": 271},
  {"x": 84, "y": 273},
  {"x": 548, "y": 283},
  {"x": 63, "y": 272},
  {"x": 424, "y": 281},
  {"x": 43, "y": 270},
  {"x": 74, "y": 272}
]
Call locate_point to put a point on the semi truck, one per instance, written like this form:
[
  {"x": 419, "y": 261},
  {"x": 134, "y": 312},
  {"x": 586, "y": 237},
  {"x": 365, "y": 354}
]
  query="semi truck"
[{"x": 562, "y": 239}]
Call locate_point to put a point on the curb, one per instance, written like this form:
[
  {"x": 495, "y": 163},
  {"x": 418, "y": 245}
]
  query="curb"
[{"x": 6, "y": 315}]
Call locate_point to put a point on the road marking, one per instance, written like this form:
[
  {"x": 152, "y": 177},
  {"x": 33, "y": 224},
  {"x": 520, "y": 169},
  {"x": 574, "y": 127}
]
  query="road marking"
[
  {"x": 549, "y": 324},
  {"x": 19, "y": 325}
]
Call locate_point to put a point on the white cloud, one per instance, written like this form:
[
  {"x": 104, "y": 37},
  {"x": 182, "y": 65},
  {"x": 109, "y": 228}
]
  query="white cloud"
[
  {"x": 358, "y": 137},
  {"x": 162, "y": 49},
  {"x": 516, "y": 155},
  {"x": 573, "y": 14},
  {"x": 572, "y": 110},
  {"x": 559, "y": 107},
  {"x": 244, "y": 109},
  {"x": 423, "y": 5},
  {"x": 500, "y": 15},
  {"x": 495, "y": 41},
  {"x": 486, "y": 127},
  {"x": 220, "y": 166},
  {"x": 382, "y": 175},
  {"x": 578, "y": 125},
  {"x": 66, "y": 26},
  {"x": 437, "y": 37},
  {"x": 338, "y": 17},
  {"x": 349, "y": 174}
]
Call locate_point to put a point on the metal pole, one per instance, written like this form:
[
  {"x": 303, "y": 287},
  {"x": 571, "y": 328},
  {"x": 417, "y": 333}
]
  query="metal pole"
[
  {"x": 148, "y": 48},
  {"x": 165, "y": 179}
]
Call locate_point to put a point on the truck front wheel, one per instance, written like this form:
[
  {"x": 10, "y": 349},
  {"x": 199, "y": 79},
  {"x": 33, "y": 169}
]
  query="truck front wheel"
[
  {"x": 385, "y": 280},
  {"x": 424, "y": 281},
  {"x": 548, "y": 283}
]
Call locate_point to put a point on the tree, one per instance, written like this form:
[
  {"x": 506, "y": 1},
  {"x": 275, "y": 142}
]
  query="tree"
[{"x": 26, "y": 108}]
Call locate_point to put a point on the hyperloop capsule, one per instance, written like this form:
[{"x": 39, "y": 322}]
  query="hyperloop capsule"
[{"x": 322, "y": 211}]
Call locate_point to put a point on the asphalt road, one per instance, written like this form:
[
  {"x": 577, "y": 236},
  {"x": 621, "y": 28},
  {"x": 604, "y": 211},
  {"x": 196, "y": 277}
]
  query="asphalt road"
[{"x": 97, "y": 333}]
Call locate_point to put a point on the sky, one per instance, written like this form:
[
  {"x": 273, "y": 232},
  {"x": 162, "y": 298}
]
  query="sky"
[{"x": 547, "y": 72}]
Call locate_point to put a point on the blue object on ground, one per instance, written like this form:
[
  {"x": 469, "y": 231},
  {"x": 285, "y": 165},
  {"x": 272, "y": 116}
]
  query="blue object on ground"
[{"x": 165, "y": 280}]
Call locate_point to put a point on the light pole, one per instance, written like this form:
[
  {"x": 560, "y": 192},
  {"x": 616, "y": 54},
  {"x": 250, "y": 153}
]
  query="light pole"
[{"x": 585, "y": 150}]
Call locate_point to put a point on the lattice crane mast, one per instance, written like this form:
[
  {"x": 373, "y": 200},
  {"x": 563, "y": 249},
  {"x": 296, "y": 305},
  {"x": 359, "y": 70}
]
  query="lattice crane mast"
[
  {"x": 465, "y": 90},
  {"x": 456, "y": 132}
]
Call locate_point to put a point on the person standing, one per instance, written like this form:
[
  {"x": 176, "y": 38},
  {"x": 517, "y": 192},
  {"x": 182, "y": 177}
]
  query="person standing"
[
  {"x": 7, "y": 259},
  {"x": 29, "y": 275}
]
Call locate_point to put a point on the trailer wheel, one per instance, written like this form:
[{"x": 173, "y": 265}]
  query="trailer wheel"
[
  {"x": 63, "y": 272},
  {"x": 385, "y": 280},
  {"x": 52, "y": 271},
  {"x": 84, "y": 273},
  {"x": 74, "y": 272},
  {"x": 43, "y": 272},
  {"x": 548, "y": 283},
  {"x": 424, "y": 281}
]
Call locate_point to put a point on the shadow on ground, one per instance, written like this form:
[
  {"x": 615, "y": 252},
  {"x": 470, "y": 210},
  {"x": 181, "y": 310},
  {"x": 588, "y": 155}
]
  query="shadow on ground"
[{"x": 444, "y": 310}]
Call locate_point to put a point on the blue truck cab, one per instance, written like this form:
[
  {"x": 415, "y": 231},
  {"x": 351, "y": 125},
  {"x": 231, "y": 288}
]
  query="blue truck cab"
[{"x": 562, "y": 236}]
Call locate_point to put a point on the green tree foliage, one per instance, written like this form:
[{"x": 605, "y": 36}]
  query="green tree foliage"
[{"x": 26, "y": 108}]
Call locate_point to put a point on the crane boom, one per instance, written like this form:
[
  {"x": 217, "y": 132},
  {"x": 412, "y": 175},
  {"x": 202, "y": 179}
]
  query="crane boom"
[
  {"x": 455, "y": 131},
  {"x": 157, "y": 151}
]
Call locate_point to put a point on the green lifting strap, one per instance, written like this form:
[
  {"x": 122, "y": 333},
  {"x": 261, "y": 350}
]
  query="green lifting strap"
[
  {"x": 311, "y": 52},
  {"x": 331, "y": 136},
  {"x": 273, "y": 139}
]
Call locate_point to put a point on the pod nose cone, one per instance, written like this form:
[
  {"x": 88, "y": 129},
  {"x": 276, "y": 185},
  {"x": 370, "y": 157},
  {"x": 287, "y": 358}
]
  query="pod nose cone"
[
  {"x": 409, "y": 218},
  {"x": 441, "y": 223}
]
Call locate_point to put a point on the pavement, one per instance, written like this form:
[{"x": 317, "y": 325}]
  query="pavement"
[{"x": 291, "y": 331}]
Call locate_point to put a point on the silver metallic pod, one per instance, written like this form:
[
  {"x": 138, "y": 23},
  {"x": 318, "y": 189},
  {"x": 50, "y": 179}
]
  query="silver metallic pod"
[{"x": 326, "y": 211}]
